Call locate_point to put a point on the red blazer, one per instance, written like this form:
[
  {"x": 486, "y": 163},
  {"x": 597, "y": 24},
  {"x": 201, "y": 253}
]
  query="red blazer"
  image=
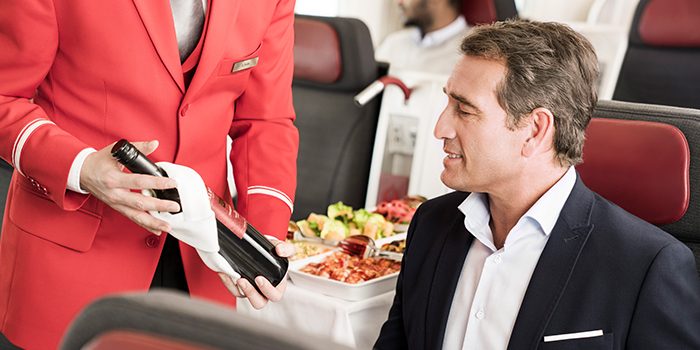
[{"x": 84, "y": 73}]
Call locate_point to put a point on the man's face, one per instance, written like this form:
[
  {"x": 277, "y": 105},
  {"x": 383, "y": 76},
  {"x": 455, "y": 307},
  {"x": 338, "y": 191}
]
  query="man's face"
[
  {"x": 416, "y": 12},
  {"x": 483, "y": 155}
]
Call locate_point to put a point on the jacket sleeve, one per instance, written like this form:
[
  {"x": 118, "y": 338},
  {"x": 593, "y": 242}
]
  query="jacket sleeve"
[
  {"x": 265, "y": 140},
  {"x": 29, "y": 139},
  {"x": 393, "y": 332},
  {"x": 667, "y": 315}
]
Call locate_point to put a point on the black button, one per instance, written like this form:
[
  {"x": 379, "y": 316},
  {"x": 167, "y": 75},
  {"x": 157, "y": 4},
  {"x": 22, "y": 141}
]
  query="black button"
[{"x": 152, "y": 241}]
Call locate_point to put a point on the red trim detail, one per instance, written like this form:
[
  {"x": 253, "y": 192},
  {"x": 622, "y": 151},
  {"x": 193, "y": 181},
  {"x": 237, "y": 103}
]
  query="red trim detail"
[{"x": 390, "y": 80}]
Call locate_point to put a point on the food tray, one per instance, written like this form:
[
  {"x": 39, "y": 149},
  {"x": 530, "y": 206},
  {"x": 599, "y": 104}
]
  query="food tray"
[
  {"x": 347, "y": 291},
  {"x": 397, "y": 237}
]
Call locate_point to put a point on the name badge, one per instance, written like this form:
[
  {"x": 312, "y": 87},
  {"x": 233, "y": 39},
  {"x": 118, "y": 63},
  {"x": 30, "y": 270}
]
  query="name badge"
[{"x": 245, "y": 64}]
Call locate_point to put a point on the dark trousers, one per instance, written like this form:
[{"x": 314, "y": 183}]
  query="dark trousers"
[
  {"x": 6, "y": 345},
  {"x": 170, "y": 273}
]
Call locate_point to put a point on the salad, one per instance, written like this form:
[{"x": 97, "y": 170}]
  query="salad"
[{"x": 342, "y": 221}]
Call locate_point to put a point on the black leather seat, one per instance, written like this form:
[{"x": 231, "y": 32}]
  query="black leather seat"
[
  {"x": 661, "y": 65},
  {"x": 333, "y": 61},
  {"x": 171, "y": 320}
]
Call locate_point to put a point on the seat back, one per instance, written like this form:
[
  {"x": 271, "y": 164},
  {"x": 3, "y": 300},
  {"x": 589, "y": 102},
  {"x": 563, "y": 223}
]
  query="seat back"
[
  {"x": 646, "y": 159},
  {"x": 661, "y": 63},
  {"x": 171, "y": 320},
  {"x": 488, "y": 11},
  {"x": 333, "y": 61},
  {"x": 5, "y": 177}
]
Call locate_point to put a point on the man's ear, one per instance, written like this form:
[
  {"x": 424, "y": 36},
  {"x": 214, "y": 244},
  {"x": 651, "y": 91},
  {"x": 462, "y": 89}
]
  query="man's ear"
[{"x": 540, "y": 126}]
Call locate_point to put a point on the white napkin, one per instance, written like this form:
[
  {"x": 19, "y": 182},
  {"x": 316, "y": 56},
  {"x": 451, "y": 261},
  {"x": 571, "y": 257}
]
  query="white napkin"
[{"x": 195, "y": 225}]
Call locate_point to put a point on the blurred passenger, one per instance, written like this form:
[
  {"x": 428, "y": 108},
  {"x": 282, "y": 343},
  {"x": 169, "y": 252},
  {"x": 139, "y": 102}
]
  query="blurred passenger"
[
  {"x": 430, "y": 44},
  {"x": 523, "y": 255}
]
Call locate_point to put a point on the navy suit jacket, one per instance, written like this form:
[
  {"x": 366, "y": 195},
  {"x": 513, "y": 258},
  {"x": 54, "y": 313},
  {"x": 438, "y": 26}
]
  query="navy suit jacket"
[{"x": 602, "y": 268}]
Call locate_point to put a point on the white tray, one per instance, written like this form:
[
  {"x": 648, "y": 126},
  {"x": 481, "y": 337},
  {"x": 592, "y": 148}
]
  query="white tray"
[
  {"x": 347, "y": 291},
  {"x": 397, "y": 237}
]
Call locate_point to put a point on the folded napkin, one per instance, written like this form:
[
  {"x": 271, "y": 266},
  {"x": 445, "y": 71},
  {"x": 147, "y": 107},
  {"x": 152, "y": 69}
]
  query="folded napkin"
[{"x": 195, "y": 225}]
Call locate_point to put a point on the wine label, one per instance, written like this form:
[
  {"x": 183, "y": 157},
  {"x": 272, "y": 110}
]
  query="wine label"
[{"x": 227, "y": 215}]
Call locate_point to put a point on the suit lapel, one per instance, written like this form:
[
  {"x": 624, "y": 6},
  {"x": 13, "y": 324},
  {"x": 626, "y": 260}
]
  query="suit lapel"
[
  {"x": 449, "y": 267},
  {"x": 221, "y": 15},
  {"x": 158, "y": 20},
  {"x": 554, "y": 268}
]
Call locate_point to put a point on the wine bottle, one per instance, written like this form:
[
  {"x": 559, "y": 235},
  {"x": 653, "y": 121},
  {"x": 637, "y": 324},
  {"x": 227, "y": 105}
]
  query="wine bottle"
[{"x": 247, "y": 251}]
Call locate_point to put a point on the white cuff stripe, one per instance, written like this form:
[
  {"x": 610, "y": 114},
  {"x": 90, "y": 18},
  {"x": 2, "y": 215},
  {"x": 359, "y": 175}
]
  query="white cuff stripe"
[
  {"x": 22, "y": 139},
  {"x": 275, "y": 194},
  {"x": 14, "y": 147},
  {"x": 270, "y": 189}
]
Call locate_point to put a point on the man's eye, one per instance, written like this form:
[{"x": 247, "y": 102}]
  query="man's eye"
[{"x": 462, "y": 112}]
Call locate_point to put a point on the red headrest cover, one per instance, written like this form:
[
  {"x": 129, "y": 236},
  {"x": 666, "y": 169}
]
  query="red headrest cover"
[
  {"x": 479, "y": 11},
  {"x": 641, "y": 166},
  {"x": 670, "y": 23},
  {"x": 316, "y": 52}
]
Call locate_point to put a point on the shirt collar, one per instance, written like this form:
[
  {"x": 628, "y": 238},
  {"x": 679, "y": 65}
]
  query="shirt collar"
[
  {"x": 441, "y": 35},
  {"x": 545, "y": 212}
]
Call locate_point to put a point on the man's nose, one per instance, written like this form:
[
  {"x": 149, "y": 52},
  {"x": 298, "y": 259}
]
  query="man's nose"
[{"x": 443, "y": 128}]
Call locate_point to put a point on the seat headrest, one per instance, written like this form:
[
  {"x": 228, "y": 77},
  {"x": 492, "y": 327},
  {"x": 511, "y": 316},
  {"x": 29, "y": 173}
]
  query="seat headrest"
[
  {"x": 488, "y": 11},
  {"x": 641, "y": 166},
  {"x": 671, "y": 23},
  {"x": 479, "y": 11},
  {"x": 333, "y": 53}
]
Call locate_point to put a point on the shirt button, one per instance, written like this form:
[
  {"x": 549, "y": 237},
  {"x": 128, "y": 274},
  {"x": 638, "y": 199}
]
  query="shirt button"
[
  {"x": 183, "y": 111},
  {"x": 480, "y": 315},
  {"x": 498, "y": 259},
  {"x": 152, "y": 241}
]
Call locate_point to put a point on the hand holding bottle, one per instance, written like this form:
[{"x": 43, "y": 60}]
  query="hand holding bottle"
[
  {"x": 242, "y": 288},
  {"x": 102, "y": 176},
  {"x": 225, "y": 241}
]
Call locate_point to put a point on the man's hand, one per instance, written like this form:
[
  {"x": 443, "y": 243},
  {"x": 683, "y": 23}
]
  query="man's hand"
[
  {"x": 102, "y": 176},
  {"x": 241, "y": 288}
]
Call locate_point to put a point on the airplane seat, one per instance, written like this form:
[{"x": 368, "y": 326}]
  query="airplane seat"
[
  {"x": 646, "y": 159},
  {"x": 5, "y": 177},
  {"x": 172, "y": 320},
  {"x": 488, "y": 11},
  {"x": 333, "y": 61},
  {"x": 661, "y": 63}
]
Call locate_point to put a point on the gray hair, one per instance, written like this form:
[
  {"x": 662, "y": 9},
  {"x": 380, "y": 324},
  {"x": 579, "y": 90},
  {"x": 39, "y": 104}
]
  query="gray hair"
[{"x": 548, "y": 65}]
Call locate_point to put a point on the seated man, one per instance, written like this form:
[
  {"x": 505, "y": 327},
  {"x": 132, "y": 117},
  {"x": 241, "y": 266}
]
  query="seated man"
[
  {"x": 523, "y": 253},
  {"x": 430, "y": 43}
]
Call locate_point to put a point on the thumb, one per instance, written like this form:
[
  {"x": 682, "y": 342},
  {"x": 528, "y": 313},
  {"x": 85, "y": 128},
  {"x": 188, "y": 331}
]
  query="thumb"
[{"x": 146, "y": 147}]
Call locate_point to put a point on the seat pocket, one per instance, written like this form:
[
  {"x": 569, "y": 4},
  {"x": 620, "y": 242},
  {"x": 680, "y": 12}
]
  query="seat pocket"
[{"x": 37, "y": 215}]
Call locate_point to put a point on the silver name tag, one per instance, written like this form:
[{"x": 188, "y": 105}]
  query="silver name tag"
[{"x": 245, "y": 64}]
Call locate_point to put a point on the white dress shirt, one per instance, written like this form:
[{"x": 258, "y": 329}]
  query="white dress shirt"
[
  {"x": 493, "y": 281},
  {"x": 436, "y": 52}
]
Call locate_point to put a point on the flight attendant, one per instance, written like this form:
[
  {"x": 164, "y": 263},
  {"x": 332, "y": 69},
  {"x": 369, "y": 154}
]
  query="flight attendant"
[{"x": 76, "y": 76}]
